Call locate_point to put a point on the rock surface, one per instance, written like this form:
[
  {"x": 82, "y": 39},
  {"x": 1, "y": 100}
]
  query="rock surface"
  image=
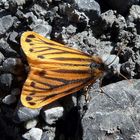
[
  {"x": 114, "y": 114},
  {"x": 110, "y": 29}
]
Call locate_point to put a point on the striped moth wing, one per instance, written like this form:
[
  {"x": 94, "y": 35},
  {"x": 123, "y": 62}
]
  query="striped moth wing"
[{"x": 55, "y": 70}]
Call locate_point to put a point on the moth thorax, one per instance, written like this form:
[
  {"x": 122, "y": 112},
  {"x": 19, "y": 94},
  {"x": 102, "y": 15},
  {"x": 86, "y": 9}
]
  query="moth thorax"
[
  {"x": 95, "y": 66},
  {"x": 110, "y": 60}
]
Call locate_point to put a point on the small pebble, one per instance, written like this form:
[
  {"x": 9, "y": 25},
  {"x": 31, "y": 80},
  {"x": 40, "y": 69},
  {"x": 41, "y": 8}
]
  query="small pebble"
[
  {"x": 52, "y": 113},
  {"x": 7, "y": 22},
  {"x": 33, "y": 134},
  {"x": 6, "y": 50},
  {"x": 91, "y": 8},
  {"x": 31, "y": 123},
  {"x": 13, "y": 65},
  {"x": 12, "y": 37},
  {"x": 44, "y": 30},
  {"x": 1, "y": 58},
  {"x": 23, "y": 114},
  {"x": 9, "y": 99},
  {"x": 6, "y": 81}
]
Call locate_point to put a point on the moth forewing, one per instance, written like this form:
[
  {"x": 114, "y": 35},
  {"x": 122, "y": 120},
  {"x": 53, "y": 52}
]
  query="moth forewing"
[{"x": 55, "y": 70}]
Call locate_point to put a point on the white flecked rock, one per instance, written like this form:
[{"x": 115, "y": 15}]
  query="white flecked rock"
[
  {"x": 31, "y": 123},
  {"x": 9, "y": 99},
  {"x": 52, "y": 113},
  {"x": 33, "y": 134}
]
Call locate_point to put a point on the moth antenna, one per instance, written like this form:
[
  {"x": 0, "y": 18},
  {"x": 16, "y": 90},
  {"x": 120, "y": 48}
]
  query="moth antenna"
[{"x": 123, "y": 76}]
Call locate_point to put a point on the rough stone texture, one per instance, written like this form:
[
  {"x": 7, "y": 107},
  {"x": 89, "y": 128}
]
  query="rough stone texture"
[
  {"x": 6, "y": 49},
  {"x": 121, "y": 6},
  {"x": 92, "y": 27},
  {"x": 33, "y": 134},
  {"x": 104, "y": 22},
  {"x": 49, "y": 133},
  {"x": 1, "y": 58},
  {"x": 53, "y": 113},
  {"x": 114, "y": 114},
  {"x": 91, "y": 8},
  {"x": 9, "y": 99},
  {"x": 13, "y": 65},
  {"x": 6, "y": 81},
  {"x": 31, "y": 123},
  {"x": 23, "y": 114}
]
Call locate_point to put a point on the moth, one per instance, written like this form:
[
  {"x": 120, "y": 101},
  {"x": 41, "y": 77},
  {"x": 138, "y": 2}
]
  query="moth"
[{"x": 55, "y": 70}]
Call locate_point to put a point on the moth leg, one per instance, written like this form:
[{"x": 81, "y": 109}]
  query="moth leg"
[
  {"x": 100, "y": 85},
  {"x": 103, "y": 92},
  {"x": 86, "y": 93}
]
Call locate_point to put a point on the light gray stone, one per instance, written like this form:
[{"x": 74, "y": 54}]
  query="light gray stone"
[
  {"x": 23, "y": 114},
  {"x": 33, "y": 134},
  {"x": 122, "y": 6},
  {"x": 52, "y": 113},
  {"x": 31, "y": 123},
  {"x": 9, "y": 99},
  {"x": 1, "y": 58},
  {"x": 114, "y": 113},
  {"x": 91, "y": 8}
]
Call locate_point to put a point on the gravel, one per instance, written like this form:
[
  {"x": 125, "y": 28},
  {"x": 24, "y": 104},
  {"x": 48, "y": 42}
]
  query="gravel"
[{"x": 95, "y": 27}]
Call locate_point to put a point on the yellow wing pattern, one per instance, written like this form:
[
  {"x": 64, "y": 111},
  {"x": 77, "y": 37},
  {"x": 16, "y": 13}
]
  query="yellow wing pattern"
[{"x": 55, "y": 70}]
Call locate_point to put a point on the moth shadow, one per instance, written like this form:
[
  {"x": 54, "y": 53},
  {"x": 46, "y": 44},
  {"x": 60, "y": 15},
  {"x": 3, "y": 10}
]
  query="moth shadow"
[{"x": 69, "y": 127}]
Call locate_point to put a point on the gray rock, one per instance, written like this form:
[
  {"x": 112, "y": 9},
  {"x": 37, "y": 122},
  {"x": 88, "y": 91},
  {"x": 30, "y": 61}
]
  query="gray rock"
[
  {"x": 86, "y": 42},
  {"x": 40, "y": 9},
  {"x": 104, "y": 47},
  {"x": 30, "y": 17},
  {"x": 2, "y": 30},
  {"x": 76, "y": 16},
  {"x": 1, "y": 58},
  {"x": 128, "y": 68},
  {"x": 49, "y": 133},
  {"x": 6, "y": 49},
  {"x": 45, "y": 3},
  {"x": 134, "y": 13},
  {"x": 13, "y": 65},
  {"x": 33, "y": 134},
  {"x": 31, "y": 123},
  {"x": 45, "y": 136},
  {"x": 114, "y": 113},
  {"x": 118, "y": 29},
  {"x": 6, "y": 81},
  {"x": 12, "y": 37},
  {"x": 122, "y": 6},
  {"x": 138, "y": 68},
  {"x": 52, "y": 113},
  {"x": 20, "y": 2},
  {"x": 127, "y": 54},
  {"x": 91, "y": 8},
  {"x": 67, "y": 32},
  {"x": 9, "y": 99},
  {"x": 12, "y": 5},
  {"x": 104, "y": 22},
  {"x": 44, "y": 30},
  {"x": 7, "y": 22},
  {"x": 136, "y": 42},
  {"x": 134, "y": 17},
  {"x": 23, "y": 114}
]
